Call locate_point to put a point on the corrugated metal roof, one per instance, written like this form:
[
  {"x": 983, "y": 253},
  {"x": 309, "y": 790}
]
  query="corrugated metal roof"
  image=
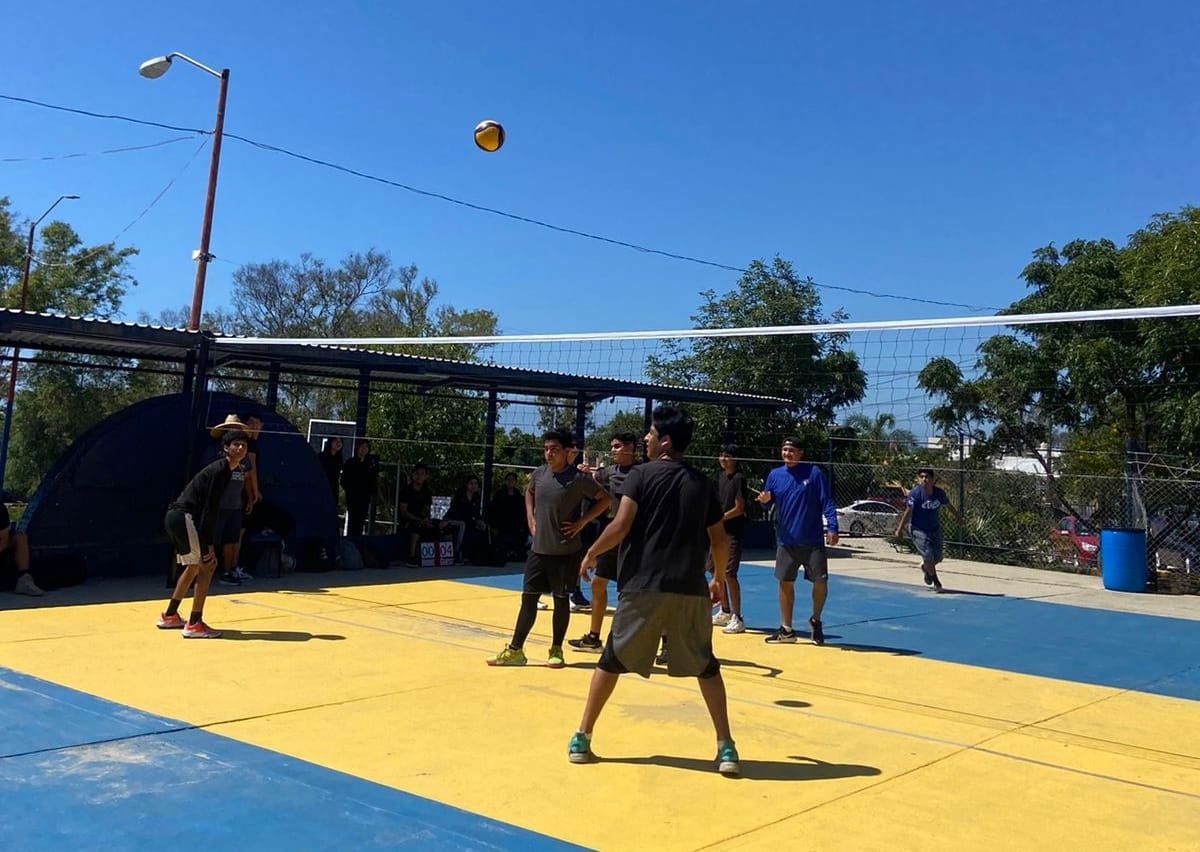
[{"x": 58, "y": 333}]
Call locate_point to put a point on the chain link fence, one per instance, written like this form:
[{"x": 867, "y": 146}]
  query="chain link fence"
[{"x": 1053, "y": 521}]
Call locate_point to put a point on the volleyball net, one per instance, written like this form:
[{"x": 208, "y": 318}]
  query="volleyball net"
[{"x": 1029, "y": 419}]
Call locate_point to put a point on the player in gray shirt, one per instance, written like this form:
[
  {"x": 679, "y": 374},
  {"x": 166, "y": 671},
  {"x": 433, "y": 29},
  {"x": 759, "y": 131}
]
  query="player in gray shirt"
[{"x": 552, "y": 500}]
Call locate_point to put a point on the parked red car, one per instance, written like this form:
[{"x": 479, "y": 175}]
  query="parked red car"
[{"x": 1076, "y": 542}]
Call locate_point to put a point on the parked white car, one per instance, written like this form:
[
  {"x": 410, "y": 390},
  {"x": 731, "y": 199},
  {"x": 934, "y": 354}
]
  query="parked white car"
[{"x": 868, "y": 517}]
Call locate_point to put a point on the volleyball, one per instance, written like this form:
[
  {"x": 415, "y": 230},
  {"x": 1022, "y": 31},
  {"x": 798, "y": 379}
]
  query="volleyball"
[{"x": 489, "y": 135}]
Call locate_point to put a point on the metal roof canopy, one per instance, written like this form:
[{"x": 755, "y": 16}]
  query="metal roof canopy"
[{"x": 50, "y": 332}]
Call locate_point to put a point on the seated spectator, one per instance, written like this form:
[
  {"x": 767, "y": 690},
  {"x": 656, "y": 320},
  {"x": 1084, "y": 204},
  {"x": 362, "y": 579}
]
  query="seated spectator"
[
  {"x": 14, "y": 557},
  {"x": 506, "y": 513},
  {"x": 466, "y": 508},
  {"x": 416, "y": 503}
]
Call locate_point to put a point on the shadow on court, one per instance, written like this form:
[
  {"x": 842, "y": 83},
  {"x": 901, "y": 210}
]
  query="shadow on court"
[
  {"x": 802, "y": 769},
  {"x": 946, "y": 591},
  {"x": 769, "y": 671},
  {"x": 276, "y": 635},
  {"x": 870, "y": 649},
  {"x": 804, "y": 639},
  {"x": 150, "y": 587}
]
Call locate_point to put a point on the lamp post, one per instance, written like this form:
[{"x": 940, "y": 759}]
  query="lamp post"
[
  {"x": 16, "y": 357},
  {"x": 152, "y": 69}
]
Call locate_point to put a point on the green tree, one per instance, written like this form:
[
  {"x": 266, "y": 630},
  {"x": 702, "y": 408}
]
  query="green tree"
[
  {"x": 62, "y": 395},
  {"x": 65, "y": 276},
  {"x": 878, "y": 439},
  {"x": 367, "y": 295},
  {"x": 815, "y": 372},
  {"x": 1127, "y": 384}
]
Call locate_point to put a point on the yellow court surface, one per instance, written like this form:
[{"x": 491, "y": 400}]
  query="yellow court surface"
[{"x": 885, "y": 738}]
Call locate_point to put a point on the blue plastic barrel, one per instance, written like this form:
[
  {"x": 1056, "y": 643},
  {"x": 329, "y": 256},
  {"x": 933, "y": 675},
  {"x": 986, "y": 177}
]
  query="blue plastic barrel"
[{"x": 1123, "y": 560}]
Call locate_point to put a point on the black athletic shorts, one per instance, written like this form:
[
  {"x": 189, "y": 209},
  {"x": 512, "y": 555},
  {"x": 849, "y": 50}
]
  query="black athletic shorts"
[
  {"x": 735, "y": 556},
  {"x": 555, "y": 575},
  {"x": 182, "y": 531},
  {"x": 606, "y": 565},
  {"x": 789, "y": 559}
]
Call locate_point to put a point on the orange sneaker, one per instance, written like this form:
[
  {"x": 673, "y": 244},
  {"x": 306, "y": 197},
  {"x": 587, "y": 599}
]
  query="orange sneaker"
[
  {"x": 170, "y": 622},
  {"x": 200, "y": 630}
]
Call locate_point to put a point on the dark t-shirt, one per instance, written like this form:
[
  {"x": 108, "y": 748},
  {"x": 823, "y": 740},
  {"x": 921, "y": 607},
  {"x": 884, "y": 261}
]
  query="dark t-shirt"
[
  {"x": 232, "y": 499},
  {"x": 464, "y": 507},
  {"x": 729, "y": 488},
  {"x": 331, "y": 464},
  {"x": 201, "y": 498},
  {"x": 4, "y": 518},
  {"x": 507, "y": 511},
  {"x": 360, "y": 477},
  {"x": 612, "y": 479},
  {"x": 556, "y": 499},
  {"x": 667, "y": 548},
  {"x": 925, "y": 509},
  {"x": 419, "y": 501}
]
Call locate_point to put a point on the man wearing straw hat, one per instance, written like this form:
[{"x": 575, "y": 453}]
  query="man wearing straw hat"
[{"x": 236, "y": 503}]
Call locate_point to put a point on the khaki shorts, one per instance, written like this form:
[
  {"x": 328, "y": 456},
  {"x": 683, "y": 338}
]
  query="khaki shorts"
[
  {"x": 182, "y": 531},
  {"x": 642, "y": 618}
]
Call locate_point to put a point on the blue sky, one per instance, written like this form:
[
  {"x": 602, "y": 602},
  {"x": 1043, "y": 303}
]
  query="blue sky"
[{"x": 919, "y": 149}]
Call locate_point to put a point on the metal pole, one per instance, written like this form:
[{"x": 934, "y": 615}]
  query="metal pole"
[
  {"x": 962, "y": 490},
  {"x": 206, "y": 228},
  {"x": 489, "y": 453}
]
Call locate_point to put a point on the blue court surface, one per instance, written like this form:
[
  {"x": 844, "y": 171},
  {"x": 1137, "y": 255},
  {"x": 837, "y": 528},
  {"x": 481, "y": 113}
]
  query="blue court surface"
[
  {"x": 82, "y": 773},
  {"x": 1118, "y": 649}
]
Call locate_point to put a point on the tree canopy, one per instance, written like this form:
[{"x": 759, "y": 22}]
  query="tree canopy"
[
  {"x": 816, "y": 372},
  {"x": 62, "y": 395},
  {"x": 1134, "y": 382}
]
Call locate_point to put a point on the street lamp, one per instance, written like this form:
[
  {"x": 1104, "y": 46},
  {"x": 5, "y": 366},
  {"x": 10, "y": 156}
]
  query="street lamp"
[
  {"x": 152, "y": 69},
  {"x": 16, "y": 357}
]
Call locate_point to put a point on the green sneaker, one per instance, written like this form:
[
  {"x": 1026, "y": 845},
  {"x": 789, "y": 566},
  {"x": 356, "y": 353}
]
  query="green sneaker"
[
  {"x": 727, "y": 758},
  {"x": 556, "y": 660},
  {"x": 579, "y": 749},
  {"x": 508, "y": 657}
]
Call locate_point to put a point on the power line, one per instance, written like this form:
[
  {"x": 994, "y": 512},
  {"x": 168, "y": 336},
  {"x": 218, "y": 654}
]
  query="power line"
[
  {"x": 485, "y": 209},
  {"x": 574, "y": 232},
  {"x": 101, "y": 249},
  {"x": 95, "y": 153},
  {"x": 111, "y": 116}
]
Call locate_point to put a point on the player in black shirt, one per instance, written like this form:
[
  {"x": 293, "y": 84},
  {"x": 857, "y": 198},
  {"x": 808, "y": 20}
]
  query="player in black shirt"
[
  {"x": 191, "y": 524},
  {"x": 731, "y": 490},
  {"x": 667, "y": 521},
  {"x": 623, "y": 446}
]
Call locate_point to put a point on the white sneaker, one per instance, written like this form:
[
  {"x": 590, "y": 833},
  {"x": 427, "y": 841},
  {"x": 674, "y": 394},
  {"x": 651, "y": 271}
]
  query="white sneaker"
[
  {"x": 542, "y": 604},
  {"x": 241, "y": 573},
  {"x": 735, "y": 625},
  {"x": 720, "y": 619},
  {"x": 26, "y": 586}
]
